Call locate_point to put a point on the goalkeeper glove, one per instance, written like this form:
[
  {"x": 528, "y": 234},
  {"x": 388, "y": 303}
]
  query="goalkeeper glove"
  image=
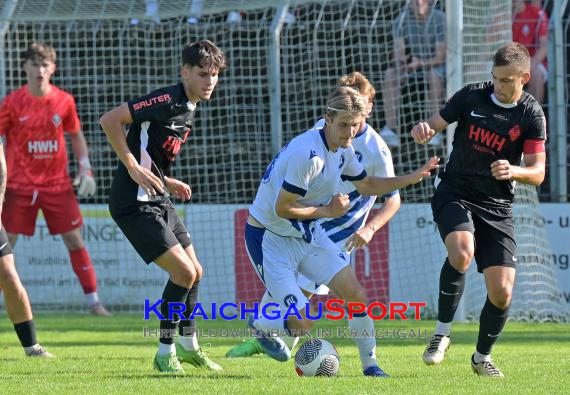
[{"x": 84, "y": 181}]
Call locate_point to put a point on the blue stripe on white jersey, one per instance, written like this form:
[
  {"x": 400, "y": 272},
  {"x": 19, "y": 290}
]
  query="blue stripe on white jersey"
[{"x": 341, "y": 228}]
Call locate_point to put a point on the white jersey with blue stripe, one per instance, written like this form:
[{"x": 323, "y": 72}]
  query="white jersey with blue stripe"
[
  {"x": 374, "y": 155},
  {"x": 306, "y": 167}
]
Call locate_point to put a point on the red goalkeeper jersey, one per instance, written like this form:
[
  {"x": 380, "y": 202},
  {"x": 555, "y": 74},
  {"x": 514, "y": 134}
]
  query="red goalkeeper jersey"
[{"x": 34, "y": 127}]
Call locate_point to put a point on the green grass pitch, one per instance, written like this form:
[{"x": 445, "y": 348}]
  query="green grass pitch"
[{"x": 110, "y": 356}]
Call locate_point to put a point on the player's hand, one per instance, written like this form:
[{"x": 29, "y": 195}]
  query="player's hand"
[
  {"x": 502, "y": 170},
  {"x": 359, "y": 238},
  {"x": 179, "y": 189},
  {"x": 84, "y": 182},
  {"x": 146, "y": 180},
  {"x": 338, "y": 205},
  {"x": 414, "y": 64},
  {"x": 422, "y": 133},
  {"x": 425, "y": 170}
]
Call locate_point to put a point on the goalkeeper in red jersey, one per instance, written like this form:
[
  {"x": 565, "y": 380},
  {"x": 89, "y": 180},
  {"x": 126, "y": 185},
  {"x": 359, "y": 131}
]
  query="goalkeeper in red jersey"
[
  {"x": 33, "y": 120},
  {"x": 15, "y": 296}
]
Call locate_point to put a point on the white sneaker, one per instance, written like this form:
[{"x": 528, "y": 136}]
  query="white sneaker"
[
  {"x": 436, "y": 140},
  {"x": 39, "y": 352},
  {"x": 435, "y": 350},
  {"x": 391, "y": 138},
  {"x": 486, "y": 368}
]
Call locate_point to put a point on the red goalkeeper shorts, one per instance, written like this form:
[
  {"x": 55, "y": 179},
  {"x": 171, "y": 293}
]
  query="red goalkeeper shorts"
[{"x": 60, "y": 209}]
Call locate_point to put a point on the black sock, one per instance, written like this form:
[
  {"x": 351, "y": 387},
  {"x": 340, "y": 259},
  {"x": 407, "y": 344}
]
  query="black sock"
[
  {"x": 451, "y": 286},
  {"x": 26, "y": 332},
  {"x": 187, "y": 326},
  {"x": 491, "y": 323},
  {"x": 172, "y": 294}
]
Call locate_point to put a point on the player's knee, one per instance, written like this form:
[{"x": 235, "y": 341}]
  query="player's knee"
[
  {"x": 501, "y": 297},
  {"x": 184, "y": 276},
  {"x": 461, "y": 258},
  {"x": 10, "y": 282}
]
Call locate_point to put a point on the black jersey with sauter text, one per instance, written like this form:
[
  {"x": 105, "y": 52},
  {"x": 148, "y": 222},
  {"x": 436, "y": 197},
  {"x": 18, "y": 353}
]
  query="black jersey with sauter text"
[
  {"x": 487, "y": 130},
  {"x": 162, "y": 121}
]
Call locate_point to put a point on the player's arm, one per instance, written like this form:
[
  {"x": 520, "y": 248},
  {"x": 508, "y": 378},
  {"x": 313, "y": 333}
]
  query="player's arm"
[
  {"x": 113, "y": 123},
  {"x": 84, "y": 181},
  {"x": 423, "y": 132},
  {"x": 541, "y": 51},
  {"x": 363, "y": 236},
  {"x": 3, "y": 177},
  {"x": 179, "y": 189},
  {"x": 371, "y": 185},
  {"x": 287, "y": 206},
  {"x": 532, "y": 173}
]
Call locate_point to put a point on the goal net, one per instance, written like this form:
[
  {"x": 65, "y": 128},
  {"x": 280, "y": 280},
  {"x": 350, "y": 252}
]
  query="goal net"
[{"x": 111, "y": 51}]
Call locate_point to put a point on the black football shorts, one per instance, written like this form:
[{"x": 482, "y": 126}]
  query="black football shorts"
[
  {"x": 152, "y": 228},
  {"x": 492, "y": 228}
]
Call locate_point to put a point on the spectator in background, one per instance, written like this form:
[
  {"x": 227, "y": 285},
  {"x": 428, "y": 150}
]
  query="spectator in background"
[
  {"x": 530, "y": 28},
  {"x": 419, "y": 47}
]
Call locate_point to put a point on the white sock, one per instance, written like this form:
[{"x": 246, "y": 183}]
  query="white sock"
[
  {"x": 443, "y": 328},
  {"x": 366, "y": 345},
  {"x": 478, "y": 357},
  {"x": 164, "y": 349},
  {"x": 190, "y": 343},
  {"x": 28, "y": 350},
  {"x": 92, "y": 299},
  {"x": 289, "y": 341}
]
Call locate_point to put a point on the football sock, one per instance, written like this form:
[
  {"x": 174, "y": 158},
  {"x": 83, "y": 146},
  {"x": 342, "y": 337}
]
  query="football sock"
[
  {"x": 443, "y": 328},
  {"x": 164, "y": 349},
  {"x": 26, "y": 332},
  {"x": 187, "y": 326},
  {"x": 81, "y": 263},
  {"x": 366, "y": 345},
  {"x": 451, "y": 286},
  {"x": 478, "y": 357},
  {"x": 92, "y": 298},
  {"x": 290, "y": 341},
  {"x": 172, "y": 294},
  {"x": 491, "y": 323}
]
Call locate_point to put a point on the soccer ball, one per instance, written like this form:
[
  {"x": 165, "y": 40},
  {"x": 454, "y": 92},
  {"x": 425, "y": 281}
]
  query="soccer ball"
[{"x": 317, "y": 358}]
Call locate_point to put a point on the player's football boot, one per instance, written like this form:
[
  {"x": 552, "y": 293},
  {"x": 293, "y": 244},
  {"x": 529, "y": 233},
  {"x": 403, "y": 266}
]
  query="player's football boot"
[
  {"x": 99, "y": 310},
  {"x": 197, "y": 358},
  {"x": 167, "y": 363},
  {"x": 246, "y": 349},
  {"x": 375, "y": 371},
  {"x": 272, "y": 346},
  {"x": 41, "y": 352},
  {"x": 435, "y": 350},
  {"x": 486, "y": 368}
]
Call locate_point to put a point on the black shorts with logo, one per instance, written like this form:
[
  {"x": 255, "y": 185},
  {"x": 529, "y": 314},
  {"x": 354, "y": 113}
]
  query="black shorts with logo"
[
  {"x": 152, "y": 228},
  {"x": 492, "y": 227},
  {"x": 5, "y": 248}
]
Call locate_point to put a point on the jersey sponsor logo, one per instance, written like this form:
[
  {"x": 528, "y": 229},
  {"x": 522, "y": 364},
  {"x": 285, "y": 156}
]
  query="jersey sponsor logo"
[
  {"x": 341, "y": 161},
  {"x": 487, "y": 137},
  {"x": 474, "y": 114},
  {"x": 173, "y": 144},
  {"x": 43, "y": 146},
  {"x": 150, "y": 102},
  {"x": 23, "y": 118},
  {"x": 515, "y": 133},
  {"x": 56, "y": 120}
]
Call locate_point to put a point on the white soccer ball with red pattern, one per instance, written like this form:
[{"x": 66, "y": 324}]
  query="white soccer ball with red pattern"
[{"x": 317, "y": 357}]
